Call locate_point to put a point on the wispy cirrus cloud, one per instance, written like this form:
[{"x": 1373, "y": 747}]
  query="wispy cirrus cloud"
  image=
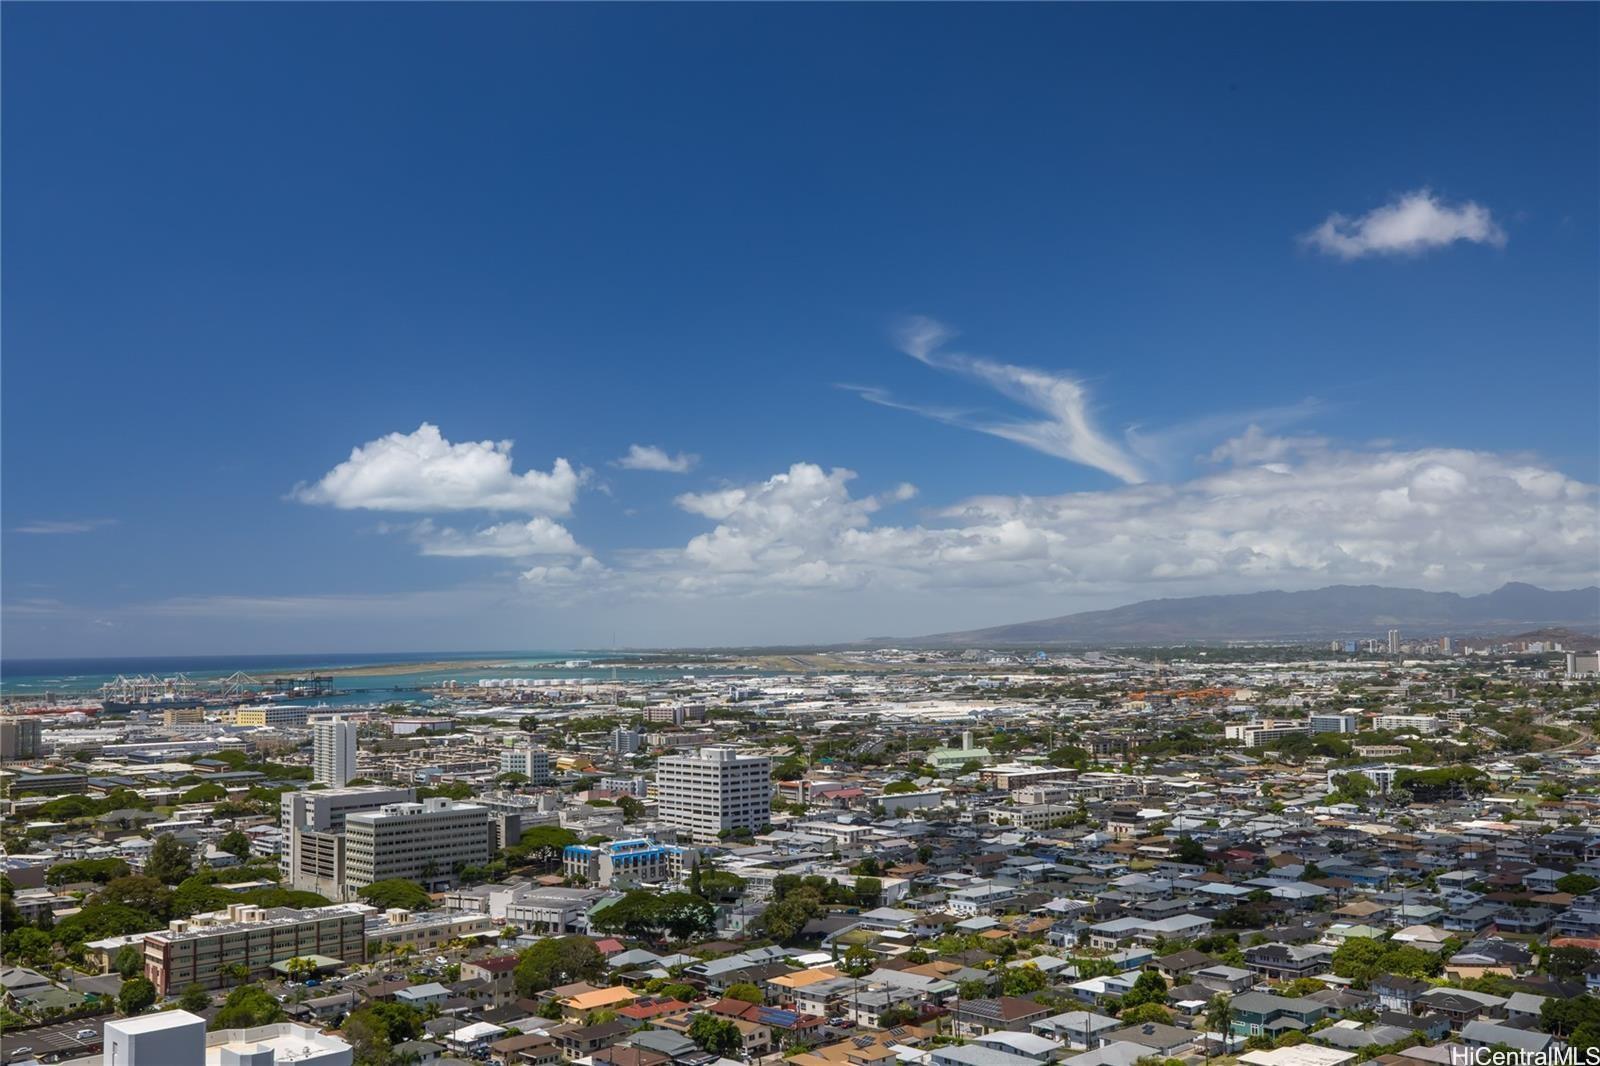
[
  {"x": 1411, "y": 224},
  {"x": 63, "y": 527},
  {"x": 1067, "y": 430},
  {"x": 651, "y": 457}
]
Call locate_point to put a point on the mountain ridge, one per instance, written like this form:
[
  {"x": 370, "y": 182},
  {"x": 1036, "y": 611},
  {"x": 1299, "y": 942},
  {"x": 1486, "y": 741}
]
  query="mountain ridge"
[{"x": 1331, "y": 611}]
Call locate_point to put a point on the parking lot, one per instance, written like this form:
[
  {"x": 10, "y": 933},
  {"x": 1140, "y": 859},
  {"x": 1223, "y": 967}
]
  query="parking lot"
[{"x": 54, "y": 1043}]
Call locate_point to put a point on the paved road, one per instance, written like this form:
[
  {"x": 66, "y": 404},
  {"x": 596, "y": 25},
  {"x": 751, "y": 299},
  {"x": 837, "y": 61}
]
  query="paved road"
[{"x": 53, "y": 1042}]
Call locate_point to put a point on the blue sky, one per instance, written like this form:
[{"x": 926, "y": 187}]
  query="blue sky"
[{"x": 1096, "y": 303}]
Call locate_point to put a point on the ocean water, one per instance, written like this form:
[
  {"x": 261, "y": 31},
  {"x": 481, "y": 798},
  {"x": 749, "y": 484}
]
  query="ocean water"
[{"x": 70, "y": 678}]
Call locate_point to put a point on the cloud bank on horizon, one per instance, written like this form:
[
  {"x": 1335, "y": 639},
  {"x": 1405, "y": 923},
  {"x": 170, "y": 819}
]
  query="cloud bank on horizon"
[{"x": 1263, "y": 509}]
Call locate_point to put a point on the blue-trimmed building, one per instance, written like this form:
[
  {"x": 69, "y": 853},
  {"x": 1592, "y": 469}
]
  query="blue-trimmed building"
[{"x": 637, "y": 861}]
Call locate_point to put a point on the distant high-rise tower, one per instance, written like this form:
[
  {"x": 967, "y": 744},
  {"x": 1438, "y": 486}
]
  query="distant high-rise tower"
[
  {"x": 333, "y": 751},
  {"x": 1394, "y": 642},
  {"x": 714, "y": 791}
]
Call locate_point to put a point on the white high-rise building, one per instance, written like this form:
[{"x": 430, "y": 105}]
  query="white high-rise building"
[
  {"x": 1394, "y": 642},
  {"x": 713, "y": 791},
  {"x": 532, "y": 763},
  {"x": 333, "y": 751}
]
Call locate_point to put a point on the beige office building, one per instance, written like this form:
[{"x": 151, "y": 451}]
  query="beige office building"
[{"x": 424, "y": 842}]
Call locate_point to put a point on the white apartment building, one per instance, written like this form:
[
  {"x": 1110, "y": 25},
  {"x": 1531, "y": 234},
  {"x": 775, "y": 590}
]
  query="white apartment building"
[
  {"x": 532, "y": 763},
  {"x": 424, "y": 842},
  {"x": 1265, "y": 731},
  {"x": 714, "y": 791},
  {"x": 333, "y": 751}
]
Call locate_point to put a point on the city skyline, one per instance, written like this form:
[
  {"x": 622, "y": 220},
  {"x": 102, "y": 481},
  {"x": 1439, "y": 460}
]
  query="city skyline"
[{"x": 688, "y": 326}]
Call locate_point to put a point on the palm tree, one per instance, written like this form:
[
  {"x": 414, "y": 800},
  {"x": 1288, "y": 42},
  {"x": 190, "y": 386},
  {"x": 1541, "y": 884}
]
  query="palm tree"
[{"x": 1219, "y": 1016}]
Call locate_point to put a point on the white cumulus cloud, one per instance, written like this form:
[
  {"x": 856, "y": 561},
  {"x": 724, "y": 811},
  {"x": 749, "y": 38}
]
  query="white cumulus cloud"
[
  {"x": 539, "y": 536},
  {"x": 1414, "y": 223},
  {"x": 422, "y": 472},
  {"x": 1294, "y": 513},
  {"x": 651, "y": 457}
]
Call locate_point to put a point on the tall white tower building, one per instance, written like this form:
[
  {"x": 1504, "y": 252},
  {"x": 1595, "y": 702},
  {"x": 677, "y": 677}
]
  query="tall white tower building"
[
  {"x": 715, "y": 790},
  {"x": 333, "y": 751},
  {"x": 1394, "y": 642}
]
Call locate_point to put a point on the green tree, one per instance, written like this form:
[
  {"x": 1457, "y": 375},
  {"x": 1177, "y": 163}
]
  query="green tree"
[
  {"x": 1145, "y": 1013},
  {"x": 557, "y": 961},
  {"x": 208, "y": 792},
  {"x": 1219, "y": 1014},
  {"x": 128, "y": 961},
  {"x": 236, "y": 843},
  {"x": 300, "y": 968},
  {"x": 1191, "y": 851},
  {"x": 1149, "y": 987},
  {"x": 194, "y": 999},
  {"x": 246, "y": 1007},
  {"x": 374, "y": 1029},
  {"x": 678, "y": 990},
  {"x": 1022, "y": 980},
  {"x": 744, "y": 990},
  {"x": 715, "y": 1036},
  {"x": 99, "y": 871},
  {"x": 136, "y": 994},
  {"x": 1577, "y": 884},
  {"x": 1567, "y": 964},
  {"x": 859, "y": 961},
  {"x": 139, "y": 892},
  {"x": 170, "y": 861},
  {"x": 29, "y": 946},
  {"x": 1567, "y": 1017},
  {"x": 396, "y": 892}
]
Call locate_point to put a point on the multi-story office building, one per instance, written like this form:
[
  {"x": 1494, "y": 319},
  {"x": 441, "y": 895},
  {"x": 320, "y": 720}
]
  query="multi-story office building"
[
  {"x": 1265, "y": 731},
  {"x": 664, "y": 714},
  {"x": 1408, "y": 723},
  {"x": 20, "y": 738},
  {"x": 312, "y": 828},
  {"x": 204, "y": 949},
  {"x": 425, "y": 842},
  {"x": 715, "y": 791},
  {"x": 273, "y": 715},
  {"x": 625, "y": 740},
  {"x": 333, "y": 751},
  {"x": 631, "y": 861},
  {"x": 1394, "y": 642},
  {"x": 532, "y": 763},
  {"x": 1334, "y": 723},
  {"x": 178, "y": 716}
]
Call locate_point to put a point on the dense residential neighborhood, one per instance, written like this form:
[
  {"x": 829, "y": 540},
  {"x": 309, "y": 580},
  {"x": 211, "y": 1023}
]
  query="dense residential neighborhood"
[{"x": 1273, "y": 856}]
